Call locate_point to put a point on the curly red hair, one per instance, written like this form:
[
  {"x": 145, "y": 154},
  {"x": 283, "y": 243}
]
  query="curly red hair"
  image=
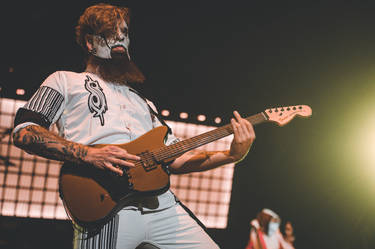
[{"x": 100, "y": 19}]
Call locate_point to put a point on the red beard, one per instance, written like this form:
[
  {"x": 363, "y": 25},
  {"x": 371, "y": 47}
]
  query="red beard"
[{"x": 118, "y": 70}]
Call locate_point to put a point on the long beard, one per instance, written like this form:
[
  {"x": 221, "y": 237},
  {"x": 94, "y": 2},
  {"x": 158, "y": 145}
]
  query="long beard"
[{"x": 119, "y": 70}]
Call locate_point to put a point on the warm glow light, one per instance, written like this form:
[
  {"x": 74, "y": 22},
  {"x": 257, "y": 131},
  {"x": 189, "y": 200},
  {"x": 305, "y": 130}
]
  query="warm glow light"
[
  {"x": 184, "y": 115},
  {"x": 165, "y": 113},
  {"x": 20, "y": 91},
  {"x": 217, "y": 120},
  {"x": 201, "y": 117},
  {"x": 358, "y": 140},
  {"x": 364, "y": 144}
]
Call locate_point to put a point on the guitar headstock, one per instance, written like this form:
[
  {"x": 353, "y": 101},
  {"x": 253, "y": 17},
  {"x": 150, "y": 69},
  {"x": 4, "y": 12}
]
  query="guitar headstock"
[{"x": 282, "y": 115}]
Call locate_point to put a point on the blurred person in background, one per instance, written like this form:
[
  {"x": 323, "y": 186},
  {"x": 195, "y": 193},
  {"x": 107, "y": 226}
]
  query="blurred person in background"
[{"x": 265, "y": 232}]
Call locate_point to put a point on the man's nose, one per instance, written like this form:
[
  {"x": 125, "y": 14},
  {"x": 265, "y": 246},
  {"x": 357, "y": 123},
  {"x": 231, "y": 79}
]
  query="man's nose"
[{"x": 121, "y": 38}]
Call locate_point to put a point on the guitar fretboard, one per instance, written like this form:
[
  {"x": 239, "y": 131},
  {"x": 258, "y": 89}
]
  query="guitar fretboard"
[{"x": 181, "y": 147}]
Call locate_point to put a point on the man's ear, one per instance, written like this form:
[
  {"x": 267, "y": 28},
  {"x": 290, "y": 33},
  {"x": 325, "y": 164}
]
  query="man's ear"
[{"x": 89, "y": 42}]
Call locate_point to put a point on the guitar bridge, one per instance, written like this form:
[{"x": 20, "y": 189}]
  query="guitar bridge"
[{"x": 148, "y": 161}]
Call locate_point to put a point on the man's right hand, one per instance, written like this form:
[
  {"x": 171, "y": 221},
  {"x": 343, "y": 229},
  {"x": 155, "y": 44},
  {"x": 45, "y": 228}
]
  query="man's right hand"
[{"x": 111, "y": 158}]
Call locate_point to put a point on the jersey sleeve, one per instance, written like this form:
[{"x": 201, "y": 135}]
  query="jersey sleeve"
[{"x": 46, "y": 105}]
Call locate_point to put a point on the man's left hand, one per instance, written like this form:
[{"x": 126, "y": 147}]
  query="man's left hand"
[{"x": 244, "y": 137}]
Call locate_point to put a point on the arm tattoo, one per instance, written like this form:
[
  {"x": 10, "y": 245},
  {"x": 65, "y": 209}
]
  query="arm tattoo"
[
  {"x": 198, "y": 160},
  {"x": 38, "y": 140},
  {"x": 201, "y": 155}
]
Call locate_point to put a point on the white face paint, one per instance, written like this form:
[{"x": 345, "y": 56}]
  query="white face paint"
[{"x": 105, "y": 47}]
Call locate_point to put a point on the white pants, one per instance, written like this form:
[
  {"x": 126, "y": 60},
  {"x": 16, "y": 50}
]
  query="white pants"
[{"x": 172, "y": 228}]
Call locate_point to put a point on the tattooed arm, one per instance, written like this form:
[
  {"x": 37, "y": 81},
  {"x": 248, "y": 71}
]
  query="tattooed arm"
[
  {"x": 37, "y": 140},
  {"x": 195, "y": 161}
]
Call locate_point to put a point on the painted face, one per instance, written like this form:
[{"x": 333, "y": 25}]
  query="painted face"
[{"x": 110, "y": 47}]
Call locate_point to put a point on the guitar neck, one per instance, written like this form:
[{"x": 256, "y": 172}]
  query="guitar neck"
[{"x": 181, "y": 147}]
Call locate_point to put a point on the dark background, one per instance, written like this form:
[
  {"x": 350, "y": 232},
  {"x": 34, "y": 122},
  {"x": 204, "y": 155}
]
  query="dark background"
[{"x": 206, "y": 57}]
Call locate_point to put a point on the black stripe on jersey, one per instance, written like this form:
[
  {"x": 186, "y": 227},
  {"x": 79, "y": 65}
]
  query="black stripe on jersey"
[
  {"x": 24, "y": 115},
  {"x": 45, "y": 103}
]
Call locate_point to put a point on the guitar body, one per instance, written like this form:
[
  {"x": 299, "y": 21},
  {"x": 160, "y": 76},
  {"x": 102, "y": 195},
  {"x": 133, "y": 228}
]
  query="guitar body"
[{"x": 93, "y": 196}]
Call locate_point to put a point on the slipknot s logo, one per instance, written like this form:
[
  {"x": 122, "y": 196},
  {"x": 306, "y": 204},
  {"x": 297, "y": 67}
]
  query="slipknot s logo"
[{"x": 96, "y": 101}]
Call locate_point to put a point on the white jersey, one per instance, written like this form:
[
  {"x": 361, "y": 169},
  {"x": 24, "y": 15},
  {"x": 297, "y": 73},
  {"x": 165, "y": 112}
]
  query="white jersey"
[{"x": 89, "y": 110}]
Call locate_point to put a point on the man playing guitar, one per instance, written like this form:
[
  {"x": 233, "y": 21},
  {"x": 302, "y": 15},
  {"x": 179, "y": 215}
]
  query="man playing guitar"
[{"x": 98, "y": 106}]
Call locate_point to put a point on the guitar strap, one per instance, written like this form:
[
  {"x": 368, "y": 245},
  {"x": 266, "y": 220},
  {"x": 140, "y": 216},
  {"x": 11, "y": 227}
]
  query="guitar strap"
[
  {"x": 191, "y": 214},
  {"x": 153, "y": 113}
]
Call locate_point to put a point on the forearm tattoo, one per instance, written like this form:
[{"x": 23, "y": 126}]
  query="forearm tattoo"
[
  {"x": 199, "y": 155},
  {"x": 38, "y": 140},
  {"x": 197, "y": 160}
]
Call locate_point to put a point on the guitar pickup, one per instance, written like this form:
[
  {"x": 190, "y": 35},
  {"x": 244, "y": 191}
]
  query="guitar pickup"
[{"x": 147, "y": 161}]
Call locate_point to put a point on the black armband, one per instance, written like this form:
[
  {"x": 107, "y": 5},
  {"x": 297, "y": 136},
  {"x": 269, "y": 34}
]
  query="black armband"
[{"x": 24, "y": 115}]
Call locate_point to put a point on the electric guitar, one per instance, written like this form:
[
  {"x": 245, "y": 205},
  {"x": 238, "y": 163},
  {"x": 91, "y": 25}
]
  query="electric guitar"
[{"x": 92, "y": 196}]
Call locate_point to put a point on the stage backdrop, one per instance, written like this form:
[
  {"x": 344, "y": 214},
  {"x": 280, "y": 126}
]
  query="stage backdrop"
[{"x": 29, "y": 184}]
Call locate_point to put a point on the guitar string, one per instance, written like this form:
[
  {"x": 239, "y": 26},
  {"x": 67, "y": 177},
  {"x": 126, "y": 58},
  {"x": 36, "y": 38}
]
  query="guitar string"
[
  {"x": 202, "y": 139},
  {"x": 192, "y": 142},
  {"x": 185, "y": 146},
  {"x": 197, "y": 141},
  {"x": 175, "y": 149}
]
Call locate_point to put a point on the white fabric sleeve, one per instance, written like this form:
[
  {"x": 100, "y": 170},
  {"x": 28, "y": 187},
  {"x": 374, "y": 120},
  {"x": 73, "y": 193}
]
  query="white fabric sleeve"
[{"x": 23, "y": 125}]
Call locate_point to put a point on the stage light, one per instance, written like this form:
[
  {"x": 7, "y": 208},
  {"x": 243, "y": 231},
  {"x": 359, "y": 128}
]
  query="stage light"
[
  {"x": 165, "y": 113},
  {"x": 20, "y": 91},
  {"x": 217, "y": 120},
  {"x": 356, "y": 140},
  {"x": 201, "y": 117},
  {"x": 184, "y": 115},
  {"x": 364, "y": 142}
]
